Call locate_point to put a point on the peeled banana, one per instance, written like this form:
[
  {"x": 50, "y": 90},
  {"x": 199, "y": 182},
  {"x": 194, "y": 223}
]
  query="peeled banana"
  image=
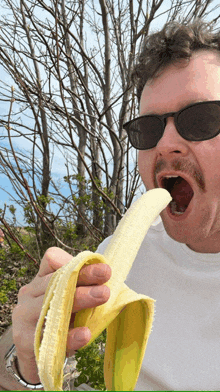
[{"x": 128, "y": 316}]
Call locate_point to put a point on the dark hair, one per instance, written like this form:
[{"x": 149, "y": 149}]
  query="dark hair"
[{"x": 174, "y": 43}]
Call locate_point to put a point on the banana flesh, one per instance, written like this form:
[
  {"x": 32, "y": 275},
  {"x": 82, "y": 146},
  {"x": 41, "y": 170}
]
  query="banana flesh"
[{"x": 128, "y": 316}]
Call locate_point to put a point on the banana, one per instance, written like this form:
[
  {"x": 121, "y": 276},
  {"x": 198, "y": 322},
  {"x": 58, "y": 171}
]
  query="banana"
[{"x": 128, "y": 316}]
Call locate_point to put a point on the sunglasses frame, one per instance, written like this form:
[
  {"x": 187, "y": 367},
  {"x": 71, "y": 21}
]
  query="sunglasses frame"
[{"x": 163, "y": 119}]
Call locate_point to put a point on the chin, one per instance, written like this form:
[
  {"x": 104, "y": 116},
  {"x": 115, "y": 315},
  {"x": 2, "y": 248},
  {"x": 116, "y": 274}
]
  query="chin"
[{"x": 177, "y": 231}]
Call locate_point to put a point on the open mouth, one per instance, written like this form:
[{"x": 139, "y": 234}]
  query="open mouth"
[{"x": 181, "y": 192}]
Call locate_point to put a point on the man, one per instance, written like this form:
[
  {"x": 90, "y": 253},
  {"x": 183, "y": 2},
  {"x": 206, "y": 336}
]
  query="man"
[{"x": 179, "y": 262}]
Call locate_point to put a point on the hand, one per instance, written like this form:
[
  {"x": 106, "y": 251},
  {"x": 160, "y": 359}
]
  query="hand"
[{"x": 90, "y": 292}]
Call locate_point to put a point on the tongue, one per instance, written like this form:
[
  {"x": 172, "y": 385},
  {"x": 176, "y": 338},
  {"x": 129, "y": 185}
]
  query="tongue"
[{"x": 182, "y": 193}]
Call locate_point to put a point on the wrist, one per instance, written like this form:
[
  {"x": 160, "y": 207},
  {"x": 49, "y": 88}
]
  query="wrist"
[
  {"x": 24, "y": 378},
  {"x": 27, "y": 369},
  {"x": 7, "y": 381}
]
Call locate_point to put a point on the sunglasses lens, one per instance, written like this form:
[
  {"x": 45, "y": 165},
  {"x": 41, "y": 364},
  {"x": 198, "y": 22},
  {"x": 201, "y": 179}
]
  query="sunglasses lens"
[
  {"x": 195, "y": 123},
  {"x": 199, "y": 122},
  {"x": 145, "y": 132}
]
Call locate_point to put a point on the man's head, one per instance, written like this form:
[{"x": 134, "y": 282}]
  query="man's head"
[
  {"x": 174, "y": 44},
  {"x": 190, "y": 170}
]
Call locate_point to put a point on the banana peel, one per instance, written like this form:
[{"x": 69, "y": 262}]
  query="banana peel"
[{"x": 128, "y": 316}]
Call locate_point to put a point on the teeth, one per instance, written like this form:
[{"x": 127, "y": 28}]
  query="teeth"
[
  {"x": 173, "y": 208},
  {"x": 170, "y": 176}
]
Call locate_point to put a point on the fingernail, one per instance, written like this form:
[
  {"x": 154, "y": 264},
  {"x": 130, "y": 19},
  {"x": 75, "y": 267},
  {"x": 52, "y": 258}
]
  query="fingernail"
[
  {"x": 79, "y": 335},
  {"x": 97, "y": 292},
  {"x": 100, "y": 272}
]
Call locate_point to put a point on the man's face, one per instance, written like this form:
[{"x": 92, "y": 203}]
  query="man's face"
[{"x": 197, "y": 162}]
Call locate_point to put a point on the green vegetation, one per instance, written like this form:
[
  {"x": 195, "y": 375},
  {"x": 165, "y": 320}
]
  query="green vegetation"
[
  {"x": 7, "y": 285},
  {"x": 90, "y": 363}
]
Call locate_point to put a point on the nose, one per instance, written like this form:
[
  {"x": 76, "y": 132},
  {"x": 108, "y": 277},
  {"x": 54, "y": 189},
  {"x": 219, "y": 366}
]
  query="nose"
[{"x": 172, "y": 142}]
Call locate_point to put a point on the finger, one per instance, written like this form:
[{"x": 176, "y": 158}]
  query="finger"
[
  {"x": 94, "y": 274},
  {"x": 53, "y": 259},
  {"x": 77, "y": 338},
  {"x": 90, "y": 297},
  {"x": 87, "y": 298},
  {"x": 29, "y": 308}
]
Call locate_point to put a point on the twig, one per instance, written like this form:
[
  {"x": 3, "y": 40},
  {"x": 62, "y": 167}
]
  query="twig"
[{"x": 11, "y": 234}]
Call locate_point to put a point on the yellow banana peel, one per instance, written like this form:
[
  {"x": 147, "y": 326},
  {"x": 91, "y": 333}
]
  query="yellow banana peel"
[{"x": 128, "y": 316}]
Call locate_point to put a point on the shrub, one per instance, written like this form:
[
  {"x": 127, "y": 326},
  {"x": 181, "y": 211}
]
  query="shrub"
[{"x": 90, "y": 364}]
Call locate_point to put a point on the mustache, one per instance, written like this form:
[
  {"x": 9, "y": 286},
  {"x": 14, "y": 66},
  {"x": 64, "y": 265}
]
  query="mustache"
[{"x": 180, "y": 165}]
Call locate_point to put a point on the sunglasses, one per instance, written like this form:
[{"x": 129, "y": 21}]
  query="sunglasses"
[{"x": 196, "y": 122}]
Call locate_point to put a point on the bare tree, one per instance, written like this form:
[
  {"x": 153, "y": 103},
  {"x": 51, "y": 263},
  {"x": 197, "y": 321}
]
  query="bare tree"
[{"x": 71, "y": 63}]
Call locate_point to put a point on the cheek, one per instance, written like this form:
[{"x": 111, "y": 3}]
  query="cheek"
[
  {"x": 209, "y": 159},
  {"x": 145, "y": 167}
]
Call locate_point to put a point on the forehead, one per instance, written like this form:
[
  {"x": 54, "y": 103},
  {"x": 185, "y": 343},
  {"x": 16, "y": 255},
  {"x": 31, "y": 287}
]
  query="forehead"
[{"x": 182, "y": 84}]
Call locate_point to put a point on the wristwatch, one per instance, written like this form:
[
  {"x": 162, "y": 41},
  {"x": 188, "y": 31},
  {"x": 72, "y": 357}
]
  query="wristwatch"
[{"x": 11, "y": 361}]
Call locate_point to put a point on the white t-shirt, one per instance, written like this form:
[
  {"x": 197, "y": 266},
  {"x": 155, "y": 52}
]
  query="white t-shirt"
[{"x": 183, "y": 351}]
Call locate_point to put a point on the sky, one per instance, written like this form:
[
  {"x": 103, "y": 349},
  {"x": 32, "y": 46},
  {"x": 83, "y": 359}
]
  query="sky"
[
  {"x": 58, "y": 163},
  {"x": 58, "y": 169}
]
